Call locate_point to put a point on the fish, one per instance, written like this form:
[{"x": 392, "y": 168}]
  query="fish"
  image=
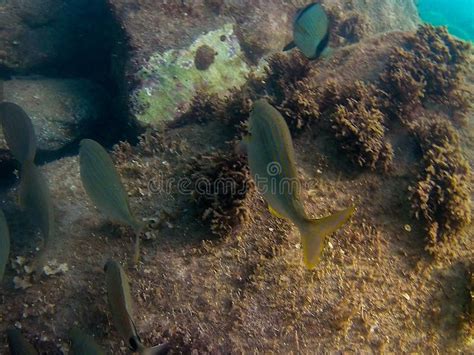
[
  {"x": 35, "y": 199},
  {"x": 310, "y": 31},
  {"x": 18, "y": 344},
  {"x": 104, "y": 187},
  {"x": 4, "y": 244},
  {"x": 83, "y": 344},
  {"x": 120, "y": 305},
  {"x": 18, "y": 131},
  {"x": 271, "y": 159}
]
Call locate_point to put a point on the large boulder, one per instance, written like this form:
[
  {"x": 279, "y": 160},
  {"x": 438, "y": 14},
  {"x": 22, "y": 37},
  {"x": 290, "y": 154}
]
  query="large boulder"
[
  {"x": 62, "y": 110},
  {"x": 165, "y": 38},
  {"x": 53, "y": 36}
]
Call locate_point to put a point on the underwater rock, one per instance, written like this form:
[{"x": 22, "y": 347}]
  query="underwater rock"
[
  {"x": 165, "y": 37},
  {"x": 53, "y": 36},
  {"x": 170, "y": 80},
  {"x": 62, "y": 111}
]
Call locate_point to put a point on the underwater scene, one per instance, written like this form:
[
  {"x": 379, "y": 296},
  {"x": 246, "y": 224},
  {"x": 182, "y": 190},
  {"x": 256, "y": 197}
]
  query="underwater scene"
[{"x": 236, "y": 177}]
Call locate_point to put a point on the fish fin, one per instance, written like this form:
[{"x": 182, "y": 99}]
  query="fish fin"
[
  {"x": 241, "y": 147},
  {"x": 314, "y": 232},
  {"x": 157, "y": 350},
  {"x": 327, "y": 53},
  {"x": 289, "y": 46},
  {"x": 275, "y": 213}
]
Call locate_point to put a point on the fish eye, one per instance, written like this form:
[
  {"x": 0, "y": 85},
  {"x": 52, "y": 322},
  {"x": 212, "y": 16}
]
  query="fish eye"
[{"x": 133, "y": 344}]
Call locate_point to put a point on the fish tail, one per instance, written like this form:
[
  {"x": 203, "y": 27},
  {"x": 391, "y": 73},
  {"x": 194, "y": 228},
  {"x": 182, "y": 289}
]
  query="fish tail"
[
  {"x": 136, "y": 252},
  {"x": 137, "y": 228},
  {"x": 156, "y": 350},
  {"x": 315, "y": 231}
]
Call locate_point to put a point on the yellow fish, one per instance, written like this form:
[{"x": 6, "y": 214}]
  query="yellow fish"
[
  {"x": 104, "y": 187},
  {"x": 272, "y": 164},
  {"x": 120, "y": 305}
]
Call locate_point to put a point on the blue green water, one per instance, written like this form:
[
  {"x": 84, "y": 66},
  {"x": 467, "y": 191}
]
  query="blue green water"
[{"x": 458, "y": 15}]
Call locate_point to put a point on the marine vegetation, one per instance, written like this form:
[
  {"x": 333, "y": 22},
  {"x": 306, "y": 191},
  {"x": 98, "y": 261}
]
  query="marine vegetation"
[
  {"x": 358, "y": 123},
  {"x": 283, "y": 72},
  {"x": 299, "y": 107},
  {"x": 272, "y": 164},
  {"x": 120, "y": 306},
  {"x": 429, "y": 68},
  {"x": 203, "y": 108},
  {"x": 441, "y": 196},
  {"x": 222, "y": 185},
  {"x": 102, "y": 184},
  {"x": 4, "y": 244}
]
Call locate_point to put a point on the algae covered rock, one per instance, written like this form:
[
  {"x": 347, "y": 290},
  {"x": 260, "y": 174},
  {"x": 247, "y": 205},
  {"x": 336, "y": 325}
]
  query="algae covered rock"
[
  {"x": 62, "y": 110},
  {"x": 170, "y": 80},
  {"x": 228, "y": 39}
]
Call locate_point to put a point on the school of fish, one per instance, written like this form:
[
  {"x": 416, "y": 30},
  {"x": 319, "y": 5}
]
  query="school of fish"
[{"x": 272, "y": 163}]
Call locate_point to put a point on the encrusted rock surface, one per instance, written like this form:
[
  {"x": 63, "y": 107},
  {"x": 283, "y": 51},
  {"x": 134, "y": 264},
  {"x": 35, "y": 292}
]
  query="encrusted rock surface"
[
  {"x": 171, "y": 31},
  {"x": 62, "y": 110}
]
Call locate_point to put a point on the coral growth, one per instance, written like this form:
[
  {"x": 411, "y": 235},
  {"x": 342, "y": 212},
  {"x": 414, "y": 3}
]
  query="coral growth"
[
  {"x": 430, "y": 67},
  {"x": 441, "y": 196},
  {"x": 221, "y": 184}
]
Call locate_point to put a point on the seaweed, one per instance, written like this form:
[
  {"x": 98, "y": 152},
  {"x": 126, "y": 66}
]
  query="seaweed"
[
  {"x": 358, "y": 124},
  {"x": 428, "y": 69},
  {"x": 299, "y": 106},
  {"x": 204, "y": 107},
  {"x": 221, "y": 184},
  {"x": 403, "y": 83},
  {"x": 441, "y": 197},
  {"x": 284, "y": 71}
]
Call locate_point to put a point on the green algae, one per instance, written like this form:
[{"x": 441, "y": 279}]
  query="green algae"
[{"x": 170, "y": 79}]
